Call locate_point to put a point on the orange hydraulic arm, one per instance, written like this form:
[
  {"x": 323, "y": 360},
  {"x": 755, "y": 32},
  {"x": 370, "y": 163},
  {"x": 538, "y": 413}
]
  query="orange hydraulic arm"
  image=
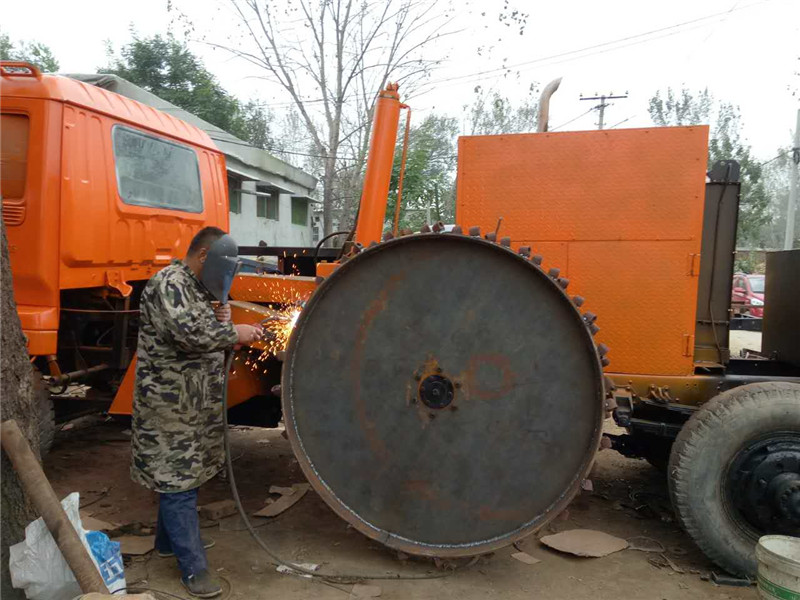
[{"x": 378, "y": 174}]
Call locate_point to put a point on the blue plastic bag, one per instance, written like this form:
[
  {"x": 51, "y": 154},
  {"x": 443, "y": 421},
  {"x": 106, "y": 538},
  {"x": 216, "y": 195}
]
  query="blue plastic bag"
[
  {"x": 37, "y": 566},
  {"x": 108, "y": 557}
]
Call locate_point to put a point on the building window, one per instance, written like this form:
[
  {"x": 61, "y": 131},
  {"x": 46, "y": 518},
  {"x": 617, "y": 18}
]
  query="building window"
[
  {"x": 152, "y": 171},
  {"x": 14, "y": 155},
  {"x": 299, "y": 211},
  {"x": 267, "y": 203},
  {"x": 235, "y": 195}
]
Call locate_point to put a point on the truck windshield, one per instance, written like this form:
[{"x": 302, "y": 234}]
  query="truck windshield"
[{"x": 155, "y": 172}]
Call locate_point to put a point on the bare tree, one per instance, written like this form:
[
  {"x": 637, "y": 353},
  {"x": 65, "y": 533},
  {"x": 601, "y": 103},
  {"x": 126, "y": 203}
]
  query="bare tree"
[{"x": 331, "y": 57}]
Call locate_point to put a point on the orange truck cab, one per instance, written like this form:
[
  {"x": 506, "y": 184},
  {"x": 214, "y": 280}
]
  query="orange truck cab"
[{"x": 99, "y": 192}]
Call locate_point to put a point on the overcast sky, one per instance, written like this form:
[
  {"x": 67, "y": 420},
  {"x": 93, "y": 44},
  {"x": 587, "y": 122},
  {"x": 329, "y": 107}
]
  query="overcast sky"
[{"x": 746, "y": 54}]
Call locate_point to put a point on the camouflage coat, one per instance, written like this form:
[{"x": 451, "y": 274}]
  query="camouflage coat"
[{"x": 177, "y": 428}]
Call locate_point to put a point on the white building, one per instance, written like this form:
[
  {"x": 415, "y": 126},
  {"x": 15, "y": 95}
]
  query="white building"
[
  {"x": 318, "y": 226},
  {"x": 270, "y": 199}
]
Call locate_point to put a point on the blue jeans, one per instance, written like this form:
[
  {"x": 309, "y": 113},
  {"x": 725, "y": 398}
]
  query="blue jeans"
[{"x": 178, "y": 531}]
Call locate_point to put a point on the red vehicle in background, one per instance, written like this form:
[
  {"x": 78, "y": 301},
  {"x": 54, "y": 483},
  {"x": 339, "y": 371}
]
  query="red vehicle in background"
[{"x": 748, "y": 294}]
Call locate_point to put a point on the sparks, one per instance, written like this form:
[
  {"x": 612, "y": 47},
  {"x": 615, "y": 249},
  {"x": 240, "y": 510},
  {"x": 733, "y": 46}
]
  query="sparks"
[{"x": 280, "y": 328}]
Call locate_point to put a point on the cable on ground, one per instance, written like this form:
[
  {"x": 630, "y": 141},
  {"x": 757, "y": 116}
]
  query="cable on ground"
[{"x": 328, "y": 578}]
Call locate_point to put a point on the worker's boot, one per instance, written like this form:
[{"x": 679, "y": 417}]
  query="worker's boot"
[
  {"x": 202, "y": 585},
  {"x": 207, "y": 543}
]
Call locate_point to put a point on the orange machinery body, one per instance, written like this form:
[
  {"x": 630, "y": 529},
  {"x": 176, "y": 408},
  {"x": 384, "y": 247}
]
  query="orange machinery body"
[
  {"x": 67, "y": 225},
  {"x": 619, "y": 212}
]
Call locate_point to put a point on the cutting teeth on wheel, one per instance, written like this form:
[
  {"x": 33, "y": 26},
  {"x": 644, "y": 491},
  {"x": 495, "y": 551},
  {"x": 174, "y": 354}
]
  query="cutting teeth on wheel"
[
  {"x": 373, "y": 243},
  {"x": 589, "y": 317},
  {"x": 425, "y": 228},
  {"x": 434, "y": 382},
  {"x": 604, "y": 361},
  {"x": 593, "y": 329},
  {"x": 388, "y": 236}
]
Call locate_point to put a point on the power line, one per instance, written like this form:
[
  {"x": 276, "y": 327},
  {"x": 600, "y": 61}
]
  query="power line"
[
  {"x": 713, "y": 29},
  {"x": 500, "y": 70},
  {"x": 773, "y": 159},
  {"x": 601, "y": 108},
  {"x": 597, "y": 46},
  {"x": 572, "y": 120},
  {"x": 625, "y": 120}
]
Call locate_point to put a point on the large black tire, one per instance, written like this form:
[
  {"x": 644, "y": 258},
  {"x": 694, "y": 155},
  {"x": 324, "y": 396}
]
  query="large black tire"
[
  {"x": 47, "y": 414},
  {"x": 701, "y": 457}
]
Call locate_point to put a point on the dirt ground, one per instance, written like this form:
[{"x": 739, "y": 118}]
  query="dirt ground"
[
  {"x": 629, "y": 500},
  {"x": 740, "y": 340}
]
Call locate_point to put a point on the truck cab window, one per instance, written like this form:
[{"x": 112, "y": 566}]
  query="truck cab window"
[
  {"x": 155, "y": 172},
  {"x": 13, "y": 155}
]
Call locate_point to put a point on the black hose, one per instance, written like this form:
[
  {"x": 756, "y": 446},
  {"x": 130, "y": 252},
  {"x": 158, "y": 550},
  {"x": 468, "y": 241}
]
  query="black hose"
[
  {"x": 231, "y": 478},
  {"x": 325, "y": 239},
  {"x": 341, "y": 578}
]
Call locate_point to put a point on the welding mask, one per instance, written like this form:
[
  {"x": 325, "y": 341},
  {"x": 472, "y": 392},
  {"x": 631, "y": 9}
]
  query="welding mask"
[{"x": 222, "y": 264}]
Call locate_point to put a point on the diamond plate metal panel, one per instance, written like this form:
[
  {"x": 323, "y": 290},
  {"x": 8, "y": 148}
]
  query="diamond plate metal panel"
[{"x": 619, "y": 212}]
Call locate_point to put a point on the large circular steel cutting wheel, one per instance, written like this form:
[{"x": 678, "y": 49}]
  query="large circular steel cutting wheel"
[{"x": 443, "y": 394}]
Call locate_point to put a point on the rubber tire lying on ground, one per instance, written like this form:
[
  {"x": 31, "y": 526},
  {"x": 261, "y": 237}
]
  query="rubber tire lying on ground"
[{"x": 702, "y": 454}]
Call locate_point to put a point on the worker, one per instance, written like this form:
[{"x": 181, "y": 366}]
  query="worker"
[{"x": 177, "y": 427}]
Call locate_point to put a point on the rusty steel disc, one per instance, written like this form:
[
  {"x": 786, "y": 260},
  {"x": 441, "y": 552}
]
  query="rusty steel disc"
[{"x": 443, "y": 394}]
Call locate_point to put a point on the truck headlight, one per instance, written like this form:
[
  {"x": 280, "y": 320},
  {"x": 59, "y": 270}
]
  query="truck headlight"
[{"x": 756, "y": 302}]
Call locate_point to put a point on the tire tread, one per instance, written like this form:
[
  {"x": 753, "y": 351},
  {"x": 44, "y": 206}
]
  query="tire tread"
[{"x": 686, "y": 453}]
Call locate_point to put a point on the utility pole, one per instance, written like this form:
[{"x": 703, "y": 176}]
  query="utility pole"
[
  {"x": 603, "y": 104},
  {"x": 794, "y": 184}
]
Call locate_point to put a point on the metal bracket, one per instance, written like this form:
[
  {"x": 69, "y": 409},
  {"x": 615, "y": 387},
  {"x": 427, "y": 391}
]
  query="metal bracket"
[
  {"x": 694, "y": 265},
  {"x": 114, "y": 280},
  {"x": 688, "y": 344}
]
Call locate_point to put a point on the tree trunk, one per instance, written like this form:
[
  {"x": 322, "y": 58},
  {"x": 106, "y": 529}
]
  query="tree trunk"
[
  {"x": 327, "y": 196},
  {"x": 438, "y": 205},
  {"x": 16, "y": 402}
]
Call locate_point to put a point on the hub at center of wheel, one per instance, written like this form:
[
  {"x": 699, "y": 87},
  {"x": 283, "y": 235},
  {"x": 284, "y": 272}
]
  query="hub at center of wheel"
[{"x": 436, "y": 391}]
